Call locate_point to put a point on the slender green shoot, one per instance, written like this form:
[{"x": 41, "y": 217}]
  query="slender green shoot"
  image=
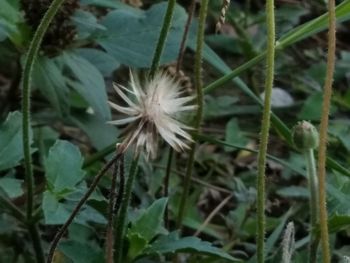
[
  {"x": 265, "y": 127},
  {"x": 162, "y": 37},
  {"x": 26, "y": 91},
  {"x": 322, "y": 153}
]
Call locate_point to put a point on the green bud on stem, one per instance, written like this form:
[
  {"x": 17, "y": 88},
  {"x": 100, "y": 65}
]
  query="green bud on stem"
[{"x": 305, "y": 136}]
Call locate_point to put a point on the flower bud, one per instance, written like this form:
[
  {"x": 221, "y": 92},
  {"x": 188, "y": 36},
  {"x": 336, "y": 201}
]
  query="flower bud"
[{"x": 305, "y": 136}]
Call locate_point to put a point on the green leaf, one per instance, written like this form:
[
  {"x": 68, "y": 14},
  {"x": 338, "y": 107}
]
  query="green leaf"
[
  {"x": 134, "y": 44},
  {"x": 172, "y": 243},
  {"x": 234, "y": 135},
  {"x": 86, "y": 24},
  {"x": 89, "y": 83},
  {"x": 149, "y": 224},
  {"x": 293, "y": 192},
  {"x": 338, "y": 222},
  {"x": 104, "y": 62},
  {"x": 63, "y": 167},
  {"x": 100, "y": 133},
  {"x": 48, "y": 77},
  {"x": 11, "y": 186},
  {"x": 11, "y": 147},
  {"x": 54, "y": 212},
  {"x": 79, "y": 252}
]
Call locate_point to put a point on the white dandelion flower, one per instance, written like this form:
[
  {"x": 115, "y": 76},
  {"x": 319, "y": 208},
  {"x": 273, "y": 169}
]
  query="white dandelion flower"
[{"x": 153, "y": 109}]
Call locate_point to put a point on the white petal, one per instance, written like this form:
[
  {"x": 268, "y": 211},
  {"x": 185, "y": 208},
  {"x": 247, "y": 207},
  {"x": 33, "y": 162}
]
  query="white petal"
[
  {"x": 117, "y": 88},
  {"x": 124, "y": 121},
  {"x": 125, "y": 110}
]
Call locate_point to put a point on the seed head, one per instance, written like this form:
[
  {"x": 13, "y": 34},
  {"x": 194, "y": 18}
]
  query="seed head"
[{"x": 153, "y": 108}]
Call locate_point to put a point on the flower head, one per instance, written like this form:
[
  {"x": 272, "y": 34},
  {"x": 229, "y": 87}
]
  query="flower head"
[{"x": 153, "y": 109}]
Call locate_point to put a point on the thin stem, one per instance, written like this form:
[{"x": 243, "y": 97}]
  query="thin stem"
[
  {"x": 313, "y": 188},
  {"x": 77, "y": 208},
  {"x": 121, "y": 219},
  {"x": 327, "y": 94},
  {"x": 162, "y": 37},
  {"x": 199, "y": 114},
  {"x": 265, "y": 127},
  {"x": 184, "y": 36},
  {"x": 178, "y": 68},
  {"x": 26, "y": 91},
  {"x": 166, "y": 185},
  {"x": 111, "y": 204}
]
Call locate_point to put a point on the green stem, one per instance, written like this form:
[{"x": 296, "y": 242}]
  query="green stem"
[
  {"x": 322, "y": 152},
  {"x": 26, "y": 91},
  {"x": 313, "y": 189},
  {"x": 122, "y": 216},
  {"x": 265, "y": 127},
  {"x": 162, "y": 37},
  {"x": 199, "y": 115}
]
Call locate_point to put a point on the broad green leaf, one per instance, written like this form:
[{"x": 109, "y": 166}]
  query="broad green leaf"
[
  {"x": 100, "y": 133},
  {"x": 11, "y": 186},
  {"x": 311, "y": 108},
  {"x": 150, "y": 222},
  {"x": 79, "y": 252},
  {"x": 89, "y": 83},
  {"x": 172, "y": 243},
  {"x": 86, "y": 24},
  {"x": 63, "y": 167},
  {"x": 234, "y": 135},
  {"x": 134, "y": 44},
  {"x": 48, "y": 77},
  {"x": 11, "y": 147},
  {"x": 104, "y": 62},
  {"x": 54, "y": 212}
]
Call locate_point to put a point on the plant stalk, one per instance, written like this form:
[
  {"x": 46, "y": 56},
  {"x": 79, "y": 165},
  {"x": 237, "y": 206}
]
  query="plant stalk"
[
  {"x": 26, "y": 122},
  {"x": 110, "y": 224},
  {"x": 199, "y": 114},
  {"x": 322, "y": 152},
  {"x": 122, "y": 216},
  {"x": 162, "y": 37},
  {"x": 265, "y": 127},
  {"x": 313, "y": 190}
]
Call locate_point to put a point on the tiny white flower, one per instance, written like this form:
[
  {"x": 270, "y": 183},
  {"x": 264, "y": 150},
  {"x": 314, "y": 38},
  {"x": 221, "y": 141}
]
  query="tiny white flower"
[{"x": 153, "y": 109}]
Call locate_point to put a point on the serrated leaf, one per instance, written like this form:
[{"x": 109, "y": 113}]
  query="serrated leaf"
[
  {"x": 11, "y": 146},
  {"x": 149, "y": 224},
  {"x": 89, "y": 83},
  {"x": 134, "y": 44},
  {"x": 63, "y": 167},
  {"x": 172, "y": 244}
]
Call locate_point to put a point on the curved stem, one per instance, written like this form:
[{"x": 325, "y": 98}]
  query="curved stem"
[
  {"x": 162, "y": 37},
  {"x": 121, "y": 219},
  {"x": 199, "y": 114},
  {"x": 326, "y": 256},
  {"x": 313, "y": 186},
  {"x": 265, "y": 127},
  {"x": 77, "y": 208},
  {"x": 26, "y": 91}
]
